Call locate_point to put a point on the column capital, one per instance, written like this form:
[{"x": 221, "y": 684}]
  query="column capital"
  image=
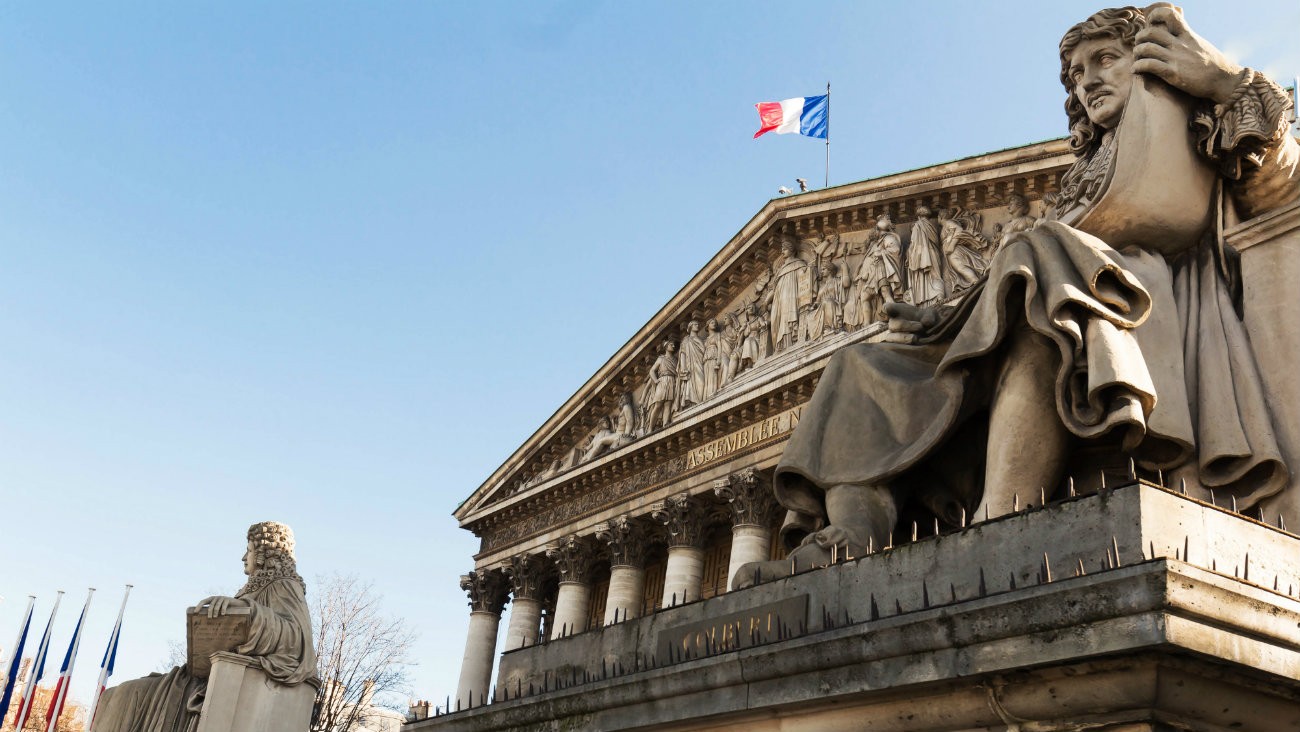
[
  {"x": 487, "y": 590},
  {"x": 749, "y": 493},
  {"x": 573, "y": 556},
  {"x": 684, "y": 517},
  {"x": 525, "y": 572},
  {"x": 627, "y": 538}
]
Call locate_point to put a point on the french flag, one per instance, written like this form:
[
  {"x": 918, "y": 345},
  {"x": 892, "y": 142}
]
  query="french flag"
[
  {"x": 53, "y": 712},
  {"x": 38, "y": 669},
  {"x": 809, "y": 116},
  {"x": 11, "y": 675},
  {"x": 110, "y": 658}
]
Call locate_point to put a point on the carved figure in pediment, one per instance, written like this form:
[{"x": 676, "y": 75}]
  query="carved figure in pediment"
[
  {"x": 754, "y": 344},
  {"x": 625, "y": 422},
  {"x": 604, "y": 439},
  {"x": 827, "y": 315},
  {"x": 660, "y": 394},
  {"x": 792, "y": 296},
  {"x": 1018, "y": 207},
  {"x": 925, "y": 261},
  {"x": 731, "y": 338},
  {"x": 716, "y": 357},
  {"x": 690, "y": 367},
  {"x": 879, "y": 279},
  {"x": 1111, "y": 330},
  {"x": 961, "y": 249}
]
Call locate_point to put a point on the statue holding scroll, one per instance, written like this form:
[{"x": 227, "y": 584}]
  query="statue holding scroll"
[
  {"x": 1111, "y": 333},
  {"x": 278, "y": 637}
]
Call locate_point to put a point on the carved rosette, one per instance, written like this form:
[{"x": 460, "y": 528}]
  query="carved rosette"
[
  {"x": 573, "y": 556},
  {"x": 487, "y": 589},
  {"x": 749, "y": 493},
  {"x": 627, "y": 539},
  {"x": 525, "y": 573},
  {"x": 684, "y": 517}
]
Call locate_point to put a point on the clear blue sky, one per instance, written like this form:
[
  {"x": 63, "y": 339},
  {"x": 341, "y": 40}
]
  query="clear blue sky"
[{"x": 330, "y": 263}]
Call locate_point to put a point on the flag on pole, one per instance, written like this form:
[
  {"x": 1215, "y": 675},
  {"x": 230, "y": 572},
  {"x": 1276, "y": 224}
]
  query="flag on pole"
[
  {"x": 11, "y": 673},
  {"x": 110, "y": 657},
  {"x": 38, "y": 669},
  {"x": 55, "y": 709},
  {"x": 809, "y": 116}
]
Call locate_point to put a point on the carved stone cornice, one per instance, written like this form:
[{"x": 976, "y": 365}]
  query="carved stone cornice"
[
  {"x": 749, "y": 493},
  {"x": 684, "y": 517},
  {"x": 525, "y": 573},
  {"x": 487, "y": 588},
  {"x": 573, "y": 556},
  {"x": 628, "y": 540}
]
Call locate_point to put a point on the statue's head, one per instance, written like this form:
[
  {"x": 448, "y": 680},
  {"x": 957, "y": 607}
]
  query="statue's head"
[
  {"x": 884, "y": 223},
  {"x": 1017, "y": 205},
  {"x": 1097, "y": 71},
  {"x": 693, "y": 326},
  {"x": 788, "y": 247},
  {"x": 923, "y": 212},
  {"x": 827, "y": 269},
  {"x": 270, "y": 555},
  {"x": 711, "y": 326}
]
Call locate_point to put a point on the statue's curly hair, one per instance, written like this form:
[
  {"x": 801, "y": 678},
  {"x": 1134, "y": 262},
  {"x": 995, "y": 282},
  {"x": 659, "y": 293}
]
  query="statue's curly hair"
[
  {"x": 272, "y": 545},
  {"x": 1121, "y": 23}
]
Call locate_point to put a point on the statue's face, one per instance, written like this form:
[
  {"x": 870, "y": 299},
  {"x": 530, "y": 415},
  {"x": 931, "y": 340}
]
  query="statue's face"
[
  {"x": 1101, "y": 70},
  {"x": 250, "y": 559}
]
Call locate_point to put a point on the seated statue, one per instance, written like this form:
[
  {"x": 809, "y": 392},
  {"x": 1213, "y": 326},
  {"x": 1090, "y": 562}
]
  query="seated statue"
[
  {"x": 1106, "y": 334},
  {"x": 279, "y": 638}
]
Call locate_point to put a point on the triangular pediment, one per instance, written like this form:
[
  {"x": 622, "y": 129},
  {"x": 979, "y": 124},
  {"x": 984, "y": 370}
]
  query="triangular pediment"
[{"x": 646, "y": 404}]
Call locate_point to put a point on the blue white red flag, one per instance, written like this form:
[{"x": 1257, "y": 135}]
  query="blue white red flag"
[
  {"x": 110, "y": 657},
  {"x": 38, "y": 669},
  {"x": 55, "y": 709},
  {"x": 809, "y": 116},
  {"x": 15, "y": 663}
]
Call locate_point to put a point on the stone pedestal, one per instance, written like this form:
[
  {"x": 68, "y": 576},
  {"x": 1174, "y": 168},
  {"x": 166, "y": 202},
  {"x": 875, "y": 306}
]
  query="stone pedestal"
[
  {"x": 626, "y": 587},
  {"x": 525, "y": 619},
  {"x": 1270, "y": 273},
  {"x": 1027, "y": 622},
  {"x": 683, "y": 575},
  {"x": 241, "y": 698},
  {"x": 748, "y": 544},
  {"x": 572, "y": 605},
  {"x": 480, "y": 652}
]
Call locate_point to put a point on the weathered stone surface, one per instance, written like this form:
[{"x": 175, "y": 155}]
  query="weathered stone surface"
[{"x": 241, "y": 698}]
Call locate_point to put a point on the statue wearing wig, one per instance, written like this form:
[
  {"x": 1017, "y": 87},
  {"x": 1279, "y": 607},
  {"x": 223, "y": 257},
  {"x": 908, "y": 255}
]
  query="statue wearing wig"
[
  {"x": 279, "y": 638},
  {"x": 1110, "y": 334}
]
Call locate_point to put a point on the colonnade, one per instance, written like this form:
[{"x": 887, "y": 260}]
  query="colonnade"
[{"x": 680, "y": 521}]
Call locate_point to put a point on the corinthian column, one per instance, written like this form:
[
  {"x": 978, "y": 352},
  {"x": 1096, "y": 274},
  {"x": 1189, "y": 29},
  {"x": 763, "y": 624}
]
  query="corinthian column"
[
  {"x": 488, "y": 595},
  {"x": 626, "y": 538},
  {"x": 752, "y": 503},
  {"x": 524, "y": 573},
  {"x": 573, "y": 557},
  {"x": 684, "y": 518}
]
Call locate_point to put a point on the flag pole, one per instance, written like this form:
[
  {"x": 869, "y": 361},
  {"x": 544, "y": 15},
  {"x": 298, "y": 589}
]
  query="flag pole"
[
  {"x": 828, "y": 135},
  {"x": 110, "y": 654},
  {"x": 14, "y": 665},
  {"x": 37, "y": 669},
  {"x": 60, "y": 695}
]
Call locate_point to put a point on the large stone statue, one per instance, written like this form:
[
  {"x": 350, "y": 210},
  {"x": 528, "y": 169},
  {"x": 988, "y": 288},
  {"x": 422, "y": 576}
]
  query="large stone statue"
[
  {"x": 279, "y": 640},
  {"x": 827, "y": 314},
  {"x": 960, "y": 250},
  {"x": 1018, "y": 207},
  {"x": 660, "y": 394},
  {"x": 1112, "y": 341},
  {"x": 690, "y": 367}
]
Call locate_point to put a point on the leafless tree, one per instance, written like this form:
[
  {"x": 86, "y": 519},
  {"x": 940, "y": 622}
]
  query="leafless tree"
[{"x": 362, "y": 652}]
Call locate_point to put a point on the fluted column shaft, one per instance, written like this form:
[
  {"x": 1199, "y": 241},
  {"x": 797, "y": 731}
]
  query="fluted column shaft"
[
  {"x": 684, "y": 517},
  {"x": 626, "y": 588}
]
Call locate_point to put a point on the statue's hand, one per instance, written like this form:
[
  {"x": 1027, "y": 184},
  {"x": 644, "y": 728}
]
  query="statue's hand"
[
  {"x": 1167, "y": 48},
  {"x": 907, "y": 318},
  {"x": 217, "y": 605}
]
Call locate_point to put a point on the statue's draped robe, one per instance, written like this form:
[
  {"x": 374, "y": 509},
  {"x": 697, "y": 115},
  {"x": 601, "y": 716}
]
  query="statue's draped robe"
[
  {"x": 881, "y": 271},
  {"x": 1153, "y": 357},
  {"x": 925, "y": 263},
  {"x": 690, "y": 370},
  {"x": 792, "y": 291},
  {"x": 279, "y": 639}
]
